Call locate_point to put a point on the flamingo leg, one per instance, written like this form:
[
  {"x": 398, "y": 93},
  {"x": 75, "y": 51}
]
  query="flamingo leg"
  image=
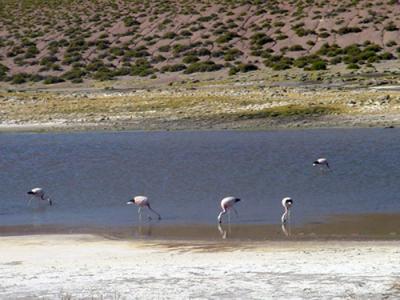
[
  {"x": 148, "y": 214},
  {"x": 154, "y": 212},
  {"x": 140, "y": 214},
  {"x": 30, "y": 200},
  {"x": 236, "y": 212}
]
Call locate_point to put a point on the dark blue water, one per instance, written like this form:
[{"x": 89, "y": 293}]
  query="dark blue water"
[{"x": 90, "y": 176}]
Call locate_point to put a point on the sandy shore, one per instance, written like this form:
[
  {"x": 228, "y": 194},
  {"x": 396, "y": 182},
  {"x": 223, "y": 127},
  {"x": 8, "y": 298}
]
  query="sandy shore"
[{"x": 86, "y": 266}]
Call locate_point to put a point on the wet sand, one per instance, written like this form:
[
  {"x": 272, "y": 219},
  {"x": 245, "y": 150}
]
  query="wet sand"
[
  {"x": 350, "y": 256},
  {"x": 377, "y": 226},
  {"x": 86, "y": 266}
]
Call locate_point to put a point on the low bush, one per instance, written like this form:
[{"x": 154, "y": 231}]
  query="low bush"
[
  {"x": 204, "y": 66},
  {"x": 173, "y": 68}
]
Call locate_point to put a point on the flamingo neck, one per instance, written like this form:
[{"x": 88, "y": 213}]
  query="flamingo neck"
[{"x": 285, "y": 215}]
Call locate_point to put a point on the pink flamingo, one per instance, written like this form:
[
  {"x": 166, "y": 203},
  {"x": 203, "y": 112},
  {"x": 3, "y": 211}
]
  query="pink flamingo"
[
  {"x": 226, "y": 204},
  {"x": 287, "y": 204},
  {"x": 143, "y": 202}
]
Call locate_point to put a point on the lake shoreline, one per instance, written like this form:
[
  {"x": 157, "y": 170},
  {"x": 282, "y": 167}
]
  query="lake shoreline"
[
  {"x": 37, "y": 266},
  {"x": 325, "y": 122},
  {"x": 340, "y": 227}
]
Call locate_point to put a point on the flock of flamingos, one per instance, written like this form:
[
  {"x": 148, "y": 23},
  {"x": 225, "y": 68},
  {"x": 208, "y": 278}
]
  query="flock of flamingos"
[{"x": 227, "y": 203}]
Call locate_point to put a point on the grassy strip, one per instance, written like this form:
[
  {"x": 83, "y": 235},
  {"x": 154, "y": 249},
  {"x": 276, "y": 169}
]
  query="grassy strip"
[{"x": 285, "y": 112}]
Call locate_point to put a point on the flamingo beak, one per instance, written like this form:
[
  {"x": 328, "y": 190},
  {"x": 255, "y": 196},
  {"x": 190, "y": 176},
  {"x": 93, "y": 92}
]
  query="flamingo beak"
[{"x": 130, "y": 202}]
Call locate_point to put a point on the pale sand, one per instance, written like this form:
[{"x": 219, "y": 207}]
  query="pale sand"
[{"x": 86, "y": 266}]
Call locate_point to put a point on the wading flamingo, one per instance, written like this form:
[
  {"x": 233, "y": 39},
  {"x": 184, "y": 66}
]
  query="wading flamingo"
[
  {"x": 287, "y": 204},
  {"x": 226, "y": 204},
  {"x": 40, "y": 195},
  {"x": 321, "y": 162},
  {"x": 143, "y": 202}
]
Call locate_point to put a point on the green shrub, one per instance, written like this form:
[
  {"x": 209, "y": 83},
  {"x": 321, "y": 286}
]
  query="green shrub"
[
  {"x": 164, "y": 48},
  {"x": 169, "y": 35},
  {"x": 318, "y": 65},
  {"x": 190, "y": 59},
  {"x": 31, "y": 52},
  {"x": 204, "y": 66},
  {"x": 346, "y": 30},
  {"x": 103, "y": 74},
  {"x": 244, "y": 68},
  {"x": 173, "y": 68},
  {"x": 52, "y": 80},
  {"x": 232, "y": 54},
  {"x": 74, "y": 74},
  {"x": 279, "y": 62},
  {"x": 142, "y": 68},
  {"x": 158, "y": 58},
  {"x": 391, "y": 27},
  {"x": 3, "y": 71},
  {"x": 20, "y": 78},
  {"x": 130, "y": 21},
  {"x": 324, "y": 34},
  {"x": 352, "y": 66},
  {"x": 387, "y": 56},
  {"x": 259, "y": 39},
  {"x": 296, "y": 48},
  {"x": 48, "y": 60},
  {"x": 226, "y": 37},
  {"x": 203, "y": 52}
]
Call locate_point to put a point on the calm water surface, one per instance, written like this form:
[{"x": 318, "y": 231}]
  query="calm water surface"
[{"x": 90, "y": 176}]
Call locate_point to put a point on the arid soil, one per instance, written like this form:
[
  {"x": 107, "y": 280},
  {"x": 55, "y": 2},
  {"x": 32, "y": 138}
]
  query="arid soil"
[
  {"x": 259, "y": 101},
  {"x": 106, "y": 39}
]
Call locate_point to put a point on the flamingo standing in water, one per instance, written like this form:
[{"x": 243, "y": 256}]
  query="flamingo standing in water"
[
  {"x": 321, "y": 162},
  {"x": 143, "y": 202},
  {"x": 287, "y": 204},
  {"x": 226, "y": 204},
  {"x": 39, "y": 194}
]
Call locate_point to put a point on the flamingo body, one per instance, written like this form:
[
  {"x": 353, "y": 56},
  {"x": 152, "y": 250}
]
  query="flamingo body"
[
  {"x": 321, "y": 162},
  {"x": 287, "y": 203},
  {"x": 226, "y": 204},
  {"x": 143, "y": 202},
  {"x": 40, "y": 194}
]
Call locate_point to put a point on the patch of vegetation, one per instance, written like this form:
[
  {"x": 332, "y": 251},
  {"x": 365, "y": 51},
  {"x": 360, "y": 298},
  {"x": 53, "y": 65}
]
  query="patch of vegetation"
[
  {"x": 346, "y": 30},
  {"x": 142, "y": 68},
  {"x": 52, "y": 80},
  {"x": 278, "y": 62},
  {"x": 243, "y": 68},
  {"x": 259, "y": 39},
  {"x": 204, "y": 66},
  {"x": 173, "y": 68},
  {"x": 287, "y": 111}
]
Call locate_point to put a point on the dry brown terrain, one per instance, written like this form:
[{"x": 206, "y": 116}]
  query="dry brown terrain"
[
  {"x": 256, "y": 101},
  {"x": 78, "y": 40}
]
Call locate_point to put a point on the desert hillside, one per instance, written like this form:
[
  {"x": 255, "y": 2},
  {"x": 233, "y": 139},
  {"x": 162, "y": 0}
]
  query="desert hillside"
[{"x": 62, "y": 40}]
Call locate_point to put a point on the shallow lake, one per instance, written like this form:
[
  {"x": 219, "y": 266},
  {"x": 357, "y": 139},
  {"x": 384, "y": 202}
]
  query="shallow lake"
[{"x": 91, "y": 176}]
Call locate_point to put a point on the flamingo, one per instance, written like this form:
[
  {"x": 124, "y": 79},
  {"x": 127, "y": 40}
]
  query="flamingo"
[
  {"x": 143, "y": 201},
  {"x": 287, "y": 203},
  {"x": 226, "y": 204},
  {"x": 40, "y": 194},
  {"x": 321, "y": 162}
]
